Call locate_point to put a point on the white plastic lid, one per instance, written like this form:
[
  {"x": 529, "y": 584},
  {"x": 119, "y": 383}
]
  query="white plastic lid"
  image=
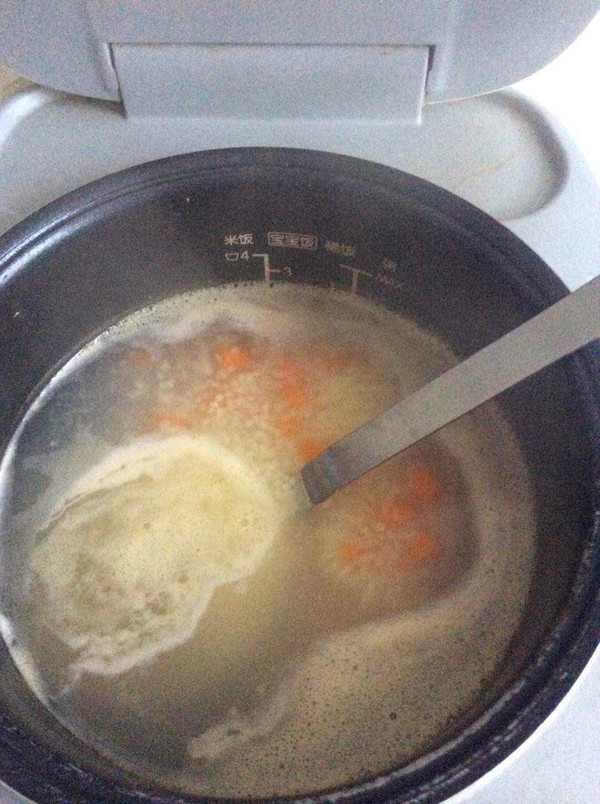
[{"x": 474, "y": 46}]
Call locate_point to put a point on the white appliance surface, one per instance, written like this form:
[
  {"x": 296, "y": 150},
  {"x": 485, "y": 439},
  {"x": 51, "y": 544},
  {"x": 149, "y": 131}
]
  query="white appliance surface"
[{"x": 560, "y": 763}]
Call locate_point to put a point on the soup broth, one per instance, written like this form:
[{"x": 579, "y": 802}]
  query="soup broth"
[{"x": 173, "y": 598}]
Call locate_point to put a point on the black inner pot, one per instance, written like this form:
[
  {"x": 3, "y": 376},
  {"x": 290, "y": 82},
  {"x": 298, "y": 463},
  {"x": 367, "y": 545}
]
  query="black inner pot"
[{"x": 160, "y": 229}]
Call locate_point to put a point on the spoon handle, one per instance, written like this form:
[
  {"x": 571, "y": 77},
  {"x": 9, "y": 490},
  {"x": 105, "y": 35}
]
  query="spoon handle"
[{"x": 557, "y": 331}]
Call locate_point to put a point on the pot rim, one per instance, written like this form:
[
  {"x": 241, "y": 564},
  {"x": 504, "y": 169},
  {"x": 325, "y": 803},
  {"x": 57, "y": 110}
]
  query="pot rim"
[{"x": 564, "y": 652}]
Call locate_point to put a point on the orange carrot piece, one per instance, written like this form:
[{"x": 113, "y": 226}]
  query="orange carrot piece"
[
  {"x": 289, "y": 371},
  {"x": 293, "y": 383},
  {"x": 352, "y": 551},
  {"x": 296, "y": 395},
  {"x": 423, "y": 546},
  {"x": 309, "y": 448},
  {"x": 288, "y": 427},
  {"x": 169, "y": 418},
  {"x": 423, "y": 485},
  {"x": 417, "y": 550},
  {"x": 393, "y": 512},
  {"x": 234, "y": 357}
]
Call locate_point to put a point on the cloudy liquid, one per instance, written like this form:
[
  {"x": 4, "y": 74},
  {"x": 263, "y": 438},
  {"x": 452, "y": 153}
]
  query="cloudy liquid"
[{"x": 174, "y": 599}]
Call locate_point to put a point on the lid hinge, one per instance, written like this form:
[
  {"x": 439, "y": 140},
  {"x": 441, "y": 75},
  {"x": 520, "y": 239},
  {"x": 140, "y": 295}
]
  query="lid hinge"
[{"x": 364, "y": 82}]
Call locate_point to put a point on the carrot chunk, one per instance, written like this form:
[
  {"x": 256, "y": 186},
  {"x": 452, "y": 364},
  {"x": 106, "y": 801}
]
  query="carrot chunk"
[
  {"x": 289, "y": 371},
  {"x": 293, "y": 383},
  {"x": 423, "y": 485},
  {"x": 166, "y": 418},
  {"x": 234, "y": 357},
  {"x": 418, "y": 549},
  {"x": 393, "y": 512},
  {"x": 288, "y": 426},
  {"x": 309, "y": 448},
  {"x": 423, "y": 545},
  {"x": 296, "y": 396},
  {"x": 352, "y": 551}
]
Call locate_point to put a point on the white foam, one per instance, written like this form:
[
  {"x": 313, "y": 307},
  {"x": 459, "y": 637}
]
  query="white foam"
[
  {"x": 371, "y": 697},
  {"x": 329, "y": 717},
  {"x": 185, "y": 516}
]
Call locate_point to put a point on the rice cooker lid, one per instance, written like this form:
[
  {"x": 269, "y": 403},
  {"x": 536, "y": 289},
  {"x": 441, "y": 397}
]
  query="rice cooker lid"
[{"x": 350, "y": 59}]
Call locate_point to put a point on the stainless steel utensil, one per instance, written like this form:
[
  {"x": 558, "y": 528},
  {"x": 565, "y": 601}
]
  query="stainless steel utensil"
[{"x": 563, "y": 328}]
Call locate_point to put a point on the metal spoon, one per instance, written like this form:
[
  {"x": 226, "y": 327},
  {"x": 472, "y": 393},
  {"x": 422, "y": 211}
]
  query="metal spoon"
[{"x": 559, "y": 330}]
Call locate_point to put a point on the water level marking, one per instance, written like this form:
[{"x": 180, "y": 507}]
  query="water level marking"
[
  {"x": 356, "y": 272},
  {"x": 267, "y": 266}
]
